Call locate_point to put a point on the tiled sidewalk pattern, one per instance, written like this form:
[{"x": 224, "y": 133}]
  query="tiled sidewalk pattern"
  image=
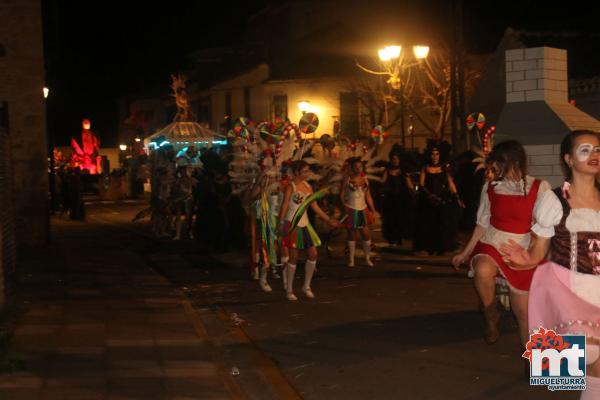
[{"x": 102, "y": 325}]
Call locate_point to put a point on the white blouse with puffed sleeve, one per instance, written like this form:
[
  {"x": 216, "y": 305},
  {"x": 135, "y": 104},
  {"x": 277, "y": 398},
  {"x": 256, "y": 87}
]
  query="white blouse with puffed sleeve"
[{"x": 547, "y": 212}]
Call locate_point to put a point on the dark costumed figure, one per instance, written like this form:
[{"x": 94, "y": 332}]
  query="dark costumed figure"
[
  {"x": 398, "y": 202},
  {"x": 438, "y": 205}
]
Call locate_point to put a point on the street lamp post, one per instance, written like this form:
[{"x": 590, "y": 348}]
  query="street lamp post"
[
  {"x": 411, "y": 132},
  {"x": 391, "y": 57},
  {"x": 50, "y": 146}
]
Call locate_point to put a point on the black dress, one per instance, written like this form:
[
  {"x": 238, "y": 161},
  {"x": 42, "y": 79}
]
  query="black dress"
[
  {"x": 438, "y": 215},
  {"x": 398, "y": 209}
]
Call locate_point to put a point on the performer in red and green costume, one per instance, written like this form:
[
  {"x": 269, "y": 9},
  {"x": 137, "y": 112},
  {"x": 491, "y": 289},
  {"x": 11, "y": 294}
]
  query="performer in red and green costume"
[{"x": 295, "y": 228}]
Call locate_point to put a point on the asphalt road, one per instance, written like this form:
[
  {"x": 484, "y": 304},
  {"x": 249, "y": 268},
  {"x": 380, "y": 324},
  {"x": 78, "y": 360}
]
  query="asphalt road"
[{"x": 409, "y": 328}]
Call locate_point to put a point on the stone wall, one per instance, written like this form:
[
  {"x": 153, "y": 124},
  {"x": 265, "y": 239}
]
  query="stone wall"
[
  {"x": 537, "y": 73},
  {"x": 544, "y": 163},
  {"x": 21, "y": 83}
]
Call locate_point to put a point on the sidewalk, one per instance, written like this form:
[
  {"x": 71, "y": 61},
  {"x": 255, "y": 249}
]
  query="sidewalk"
[{"x": 101, "y": 324}]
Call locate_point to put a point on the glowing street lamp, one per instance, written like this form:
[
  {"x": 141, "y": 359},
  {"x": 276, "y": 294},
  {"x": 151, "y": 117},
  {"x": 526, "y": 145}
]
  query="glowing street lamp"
[
  {"x": 46, "y": 91},
  {"x": 389, "y": 53},
  {"x": 123, "y": 147},
  {"x": 394, "y": 67},
  {"x": 137, "y": 139},
  {"x": 421, "y": 52},
  {"x": 304, "y": 106}
]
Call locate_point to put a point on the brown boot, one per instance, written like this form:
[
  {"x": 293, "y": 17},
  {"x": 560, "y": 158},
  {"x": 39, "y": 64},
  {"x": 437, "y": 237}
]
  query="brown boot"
[{"x": 492, "y": 316}]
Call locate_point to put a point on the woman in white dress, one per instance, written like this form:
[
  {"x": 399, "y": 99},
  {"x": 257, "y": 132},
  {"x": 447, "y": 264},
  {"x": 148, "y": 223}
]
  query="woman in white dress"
[
  {"x": 565, "y": 291},
  {"x": 356, "y": 197}
]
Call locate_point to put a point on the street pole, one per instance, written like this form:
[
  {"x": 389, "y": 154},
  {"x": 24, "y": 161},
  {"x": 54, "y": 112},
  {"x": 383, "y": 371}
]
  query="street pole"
[
  {"x": 453, "y": 94},
  {"x": 411, "y": 132},
  {"x": 385, "y": 112},
  {"x": 402, "y": 114}
]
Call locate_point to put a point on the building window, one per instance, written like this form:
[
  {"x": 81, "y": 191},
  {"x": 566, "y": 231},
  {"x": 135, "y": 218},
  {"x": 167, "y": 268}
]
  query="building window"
[
  {"x": 247, "y": 102},
  {"x": 280, "y": 107},
  {"x": 349, "y": 114},
  {"x": 204, "y": 110}
]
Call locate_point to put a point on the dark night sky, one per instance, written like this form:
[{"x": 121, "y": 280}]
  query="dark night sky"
[{"x": 97, "y": 51}]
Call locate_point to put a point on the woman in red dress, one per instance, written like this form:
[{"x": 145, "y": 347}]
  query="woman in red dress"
[{"x": 508, "y": 206}]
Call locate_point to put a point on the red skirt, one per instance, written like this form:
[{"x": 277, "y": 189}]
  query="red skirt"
[{"x": 517, "y": 279}]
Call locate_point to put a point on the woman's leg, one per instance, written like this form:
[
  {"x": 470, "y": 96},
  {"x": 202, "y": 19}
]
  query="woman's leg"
[
  {"x": 592, "y": 391},
  {"x": 178, "y": 222},
  {"x": 264, "y": 272},
  {"x": 437, "y": 230},
  {"x": 291, "y": 272},
  {"x": 310, "y": 267},
  {"x": 351, "y": 246},
  {"x": 189, "y": 218},
  {"x": 285, "y": 258},
  {"x": 485, "y": 284},
  {"x": 518, "y": 303},
  {"x": 388, "y": 221},
  {"x": 485, "y": 279},
  {"x": 366, "y": 237}
]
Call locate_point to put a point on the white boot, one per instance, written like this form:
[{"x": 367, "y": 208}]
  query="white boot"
[
  {"x": 274, "y": 272},
  {"x": 291, "y": 271},
  {"x": 255, "y": 271},
  {"x": 264, "y": 285},
  {"x": 351, "y": 249},
  {"x": 367, "y": 251},
  {"x": 284, "y": 263},
  {"x": 310, "y": 267}
]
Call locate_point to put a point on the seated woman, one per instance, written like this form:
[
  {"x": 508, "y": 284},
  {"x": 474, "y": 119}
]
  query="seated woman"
[{"x": 508, "y": 205}]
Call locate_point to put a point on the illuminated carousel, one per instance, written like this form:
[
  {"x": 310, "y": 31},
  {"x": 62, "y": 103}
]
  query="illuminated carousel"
[{"x": 184, "y": 132}]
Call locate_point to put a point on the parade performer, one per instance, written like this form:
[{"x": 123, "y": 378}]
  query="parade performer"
[
  {"x": 297, "y": 232},
  {"x": 508, "y": 205},
  {"x": 565, "y": 291},
  {"x": 437, "y": 206},
  {"x": 359, "y": 207},
  {"x": 183, "y": 199},
  {"x": 334, "y": 170},
  {"x": 265, "y": 213},
  {"x": 255, "y": 171},
  {"x": 162, "y": 180},
  {"x": 398, "y": 202}
]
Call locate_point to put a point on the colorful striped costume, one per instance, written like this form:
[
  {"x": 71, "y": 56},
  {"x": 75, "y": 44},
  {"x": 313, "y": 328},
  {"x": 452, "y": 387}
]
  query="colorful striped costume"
[
  {"x": 356, "y": 206},
  {"x": 303, "y": 235}
]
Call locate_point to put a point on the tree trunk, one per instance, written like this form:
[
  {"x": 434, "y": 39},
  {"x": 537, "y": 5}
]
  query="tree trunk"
[
  {"x": 453, "y": 99},
  {"x": 2, "y": 291},
  {"x": 461, "y": 80}
]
